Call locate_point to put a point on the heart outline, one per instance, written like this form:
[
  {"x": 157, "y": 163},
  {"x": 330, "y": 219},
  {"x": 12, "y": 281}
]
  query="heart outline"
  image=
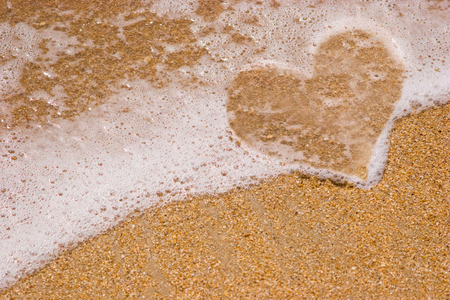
[{"x": 336, "y": 77}]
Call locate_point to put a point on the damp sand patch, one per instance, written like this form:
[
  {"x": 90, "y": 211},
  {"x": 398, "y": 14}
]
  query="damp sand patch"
[{"x": 331, "y": 120}]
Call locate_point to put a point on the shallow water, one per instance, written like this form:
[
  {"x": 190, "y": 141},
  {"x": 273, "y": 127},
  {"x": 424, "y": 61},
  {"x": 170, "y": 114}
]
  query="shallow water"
[{"x": 106, "y": 110}]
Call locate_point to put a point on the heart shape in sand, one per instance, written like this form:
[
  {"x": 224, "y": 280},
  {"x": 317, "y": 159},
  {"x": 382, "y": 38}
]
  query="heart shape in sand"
[{"x": 331, "y": 120}]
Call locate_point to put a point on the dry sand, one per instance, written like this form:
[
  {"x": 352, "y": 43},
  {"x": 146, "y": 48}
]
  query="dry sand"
[{"x": 288, "y": 237}]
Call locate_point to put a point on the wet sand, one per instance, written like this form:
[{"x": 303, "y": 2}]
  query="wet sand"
[{"x": 288, "y": 237}]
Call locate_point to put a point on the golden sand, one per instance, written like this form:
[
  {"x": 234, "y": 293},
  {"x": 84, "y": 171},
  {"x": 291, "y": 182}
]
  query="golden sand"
[{"x": 288, "y": 237}]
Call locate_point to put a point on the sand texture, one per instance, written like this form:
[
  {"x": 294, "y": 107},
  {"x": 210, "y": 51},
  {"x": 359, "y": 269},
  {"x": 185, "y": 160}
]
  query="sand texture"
[{"x": 288, "y": 237}]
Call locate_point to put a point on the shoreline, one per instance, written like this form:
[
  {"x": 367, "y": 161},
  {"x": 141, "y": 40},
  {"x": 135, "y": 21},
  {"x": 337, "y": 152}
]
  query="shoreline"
[
  {"x": 286, "y": 237},
  {"x": 112, "y": 106}
]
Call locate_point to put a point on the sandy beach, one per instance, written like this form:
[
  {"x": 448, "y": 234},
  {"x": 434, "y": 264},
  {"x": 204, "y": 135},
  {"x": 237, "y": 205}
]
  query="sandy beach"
[{"x": 288, "y": 237}]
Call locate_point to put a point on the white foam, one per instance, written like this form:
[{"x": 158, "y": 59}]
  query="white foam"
[
  {"x": 79, "y": 178},
  {"x": 19, "y": 46}
]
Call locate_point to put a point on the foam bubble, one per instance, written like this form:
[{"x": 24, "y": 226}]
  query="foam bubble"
[{"x": 114, "y": 111}]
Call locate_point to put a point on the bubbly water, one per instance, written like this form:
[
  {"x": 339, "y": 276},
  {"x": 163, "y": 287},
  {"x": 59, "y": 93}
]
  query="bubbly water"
[{"x": 107, "y": 111}]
